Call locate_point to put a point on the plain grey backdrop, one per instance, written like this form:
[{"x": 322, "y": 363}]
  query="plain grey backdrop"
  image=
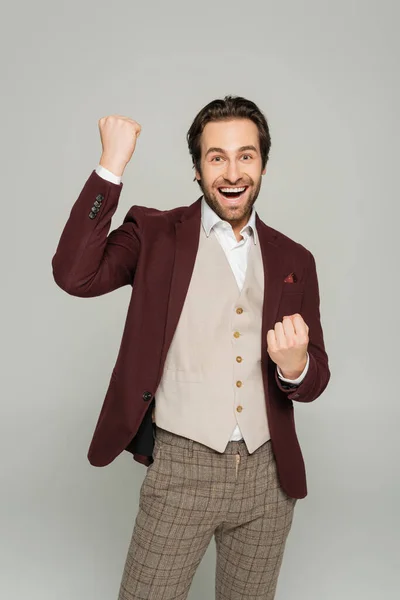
[{"x": 326, "y": 76}]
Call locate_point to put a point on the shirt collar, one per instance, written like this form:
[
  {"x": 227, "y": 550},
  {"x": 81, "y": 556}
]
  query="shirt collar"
[{"x": 209, "y": 219}]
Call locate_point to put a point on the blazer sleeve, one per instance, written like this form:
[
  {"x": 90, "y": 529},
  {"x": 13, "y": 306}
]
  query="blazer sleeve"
[
  {"x": 88, "y": 261},
  {"x": 318, "y": 374}
]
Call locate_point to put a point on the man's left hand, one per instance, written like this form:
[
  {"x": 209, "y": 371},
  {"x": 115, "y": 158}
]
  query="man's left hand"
[{"x": 287, "y": 345}]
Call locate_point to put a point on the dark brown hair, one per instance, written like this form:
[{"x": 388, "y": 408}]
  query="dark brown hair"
[{"x": 231, "y": 107}]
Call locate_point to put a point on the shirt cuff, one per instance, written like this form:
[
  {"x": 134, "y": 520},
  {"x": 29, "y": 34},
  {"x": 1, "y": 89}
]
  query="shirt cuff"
[
  {"x": 300, "y": 378},
  {"x": 106, "y": 174}
]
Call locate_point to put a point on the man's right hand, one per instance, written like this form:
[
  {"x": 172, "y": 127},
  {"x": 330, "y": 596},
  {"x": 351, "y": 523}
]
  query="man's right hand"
[{"x": 118, "y": 137}]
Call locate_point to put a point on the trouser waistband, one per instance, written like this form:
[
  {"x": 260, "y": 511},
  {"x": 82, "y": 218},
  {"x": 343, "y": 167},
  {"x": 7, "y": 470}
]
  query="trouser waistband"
[{"x": 232, "y": 447}]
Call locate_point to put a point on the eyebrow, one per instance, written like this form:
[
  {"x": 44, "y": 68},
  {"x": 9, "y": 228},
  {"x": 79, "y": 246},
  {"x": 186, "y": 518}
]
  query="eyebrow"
[{"x": 241, "y": 149}]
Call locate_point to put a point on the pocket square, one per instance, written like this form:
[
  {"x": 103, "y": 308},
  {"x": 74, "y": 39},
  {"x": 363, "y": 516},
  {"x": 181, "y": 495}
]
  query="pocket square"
[{"x": 291, "y": 278}]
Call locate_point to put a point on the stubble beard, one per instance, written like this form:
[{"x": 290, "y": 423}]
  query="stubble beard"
[{"x": 232, "y": 214}]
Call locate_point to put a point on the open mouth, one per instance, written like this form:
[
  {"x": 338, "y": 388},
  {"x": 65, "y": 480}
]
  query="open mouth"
[{"x": 233, "y": 193}]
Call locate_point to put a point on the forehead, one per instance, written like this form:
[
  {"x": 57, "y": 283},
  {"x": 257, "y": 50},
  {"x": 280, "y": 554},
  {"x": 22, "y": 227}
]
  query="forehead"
[{"x": 229, "y": 135}]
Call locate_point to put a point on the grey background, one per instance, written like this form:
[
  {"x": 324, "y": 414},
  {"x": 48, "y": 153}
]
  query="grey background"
[{"x": 326, "y": 76}]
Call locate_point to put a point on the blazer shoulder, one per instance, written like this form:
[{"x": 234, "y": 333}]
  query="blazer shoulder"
[{"x": 156, "y": 216}]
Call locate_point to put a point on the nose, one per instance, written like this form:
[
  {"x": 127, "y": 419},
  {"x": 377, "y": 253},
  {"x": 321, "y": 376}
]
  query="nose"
[{"x": 233, "y": 172}]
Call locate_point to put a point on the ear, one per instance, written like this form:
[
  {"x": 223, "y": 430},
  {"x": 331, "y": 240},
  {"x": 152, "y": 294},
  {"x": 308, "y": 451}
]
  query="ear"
[{"x": 264, "y": 170}]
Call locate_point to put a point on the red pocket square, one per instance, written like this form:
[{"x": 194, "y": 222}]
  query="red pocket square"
[{"x": 291, "y": 278}]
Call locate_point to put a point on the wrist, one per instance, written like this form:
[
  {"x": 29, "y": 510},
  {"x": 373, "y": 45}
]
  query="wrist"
[
  {"x": 294, "y": 374},
  {"x": 112, "y": 164}
]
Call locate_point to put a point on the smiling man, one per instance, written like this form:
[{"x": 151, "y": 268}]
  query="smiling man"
[
  {"x": 230, "y": 175},
  {"x": 222, "y": 335}
]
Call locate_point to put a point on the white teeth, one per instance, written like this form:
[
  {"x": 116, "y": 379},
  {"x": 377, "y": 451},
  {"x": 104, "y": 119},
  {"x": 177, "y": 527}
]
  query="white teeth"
[{"x": 236, "y": 190}]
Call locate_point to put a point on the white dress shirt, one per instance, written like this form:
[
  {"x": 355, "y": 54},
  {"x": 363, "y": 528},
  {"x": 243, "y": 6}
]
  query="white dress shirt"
[{"x": 236, "y": 253}]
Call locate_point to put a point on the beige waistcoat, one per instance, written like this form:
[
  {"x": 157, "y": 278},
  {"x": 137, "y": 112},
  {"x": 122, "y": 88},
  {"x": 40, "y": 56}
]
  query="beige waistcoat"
[{"x": 212, "y": 375}]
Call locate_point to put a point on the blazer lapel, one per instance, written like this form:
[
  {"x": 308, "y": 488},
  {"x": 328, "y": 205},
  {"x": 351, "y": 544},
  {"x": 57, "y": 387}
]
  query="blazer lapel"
[
  {"x": 274, "y": 270},
  {"x": 187, "y": 235}
]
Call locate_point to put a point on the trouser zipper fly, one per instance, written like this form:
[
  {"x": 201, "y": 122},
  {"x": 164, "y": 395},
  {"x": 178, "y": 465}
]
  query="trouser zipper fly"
[{"x": 237, "y": 457}]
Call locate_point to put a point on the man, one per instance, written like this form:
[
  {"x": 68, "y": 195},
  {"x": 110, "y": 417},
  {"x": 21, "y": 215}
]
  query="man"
[{"x": 222, "y": 333}]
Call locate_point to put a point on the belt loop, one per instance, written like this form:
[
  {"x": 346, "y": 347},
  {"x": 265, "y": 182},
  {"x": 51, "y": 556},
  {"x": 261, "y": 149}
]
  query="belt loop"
[{"x": 190, "y": 448}]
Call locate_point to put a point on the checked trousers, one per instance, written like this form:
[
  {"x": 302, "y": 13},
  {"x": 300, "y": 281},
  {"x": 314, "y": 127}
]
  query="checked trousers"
[{"x": 192, "y": 493}]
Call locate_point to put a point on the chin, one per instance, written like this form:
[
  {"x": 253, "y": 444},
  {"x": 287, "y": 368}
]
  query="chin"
[
  {"x": 236, "y": 212},
  {"x": 228, "y": 213}
]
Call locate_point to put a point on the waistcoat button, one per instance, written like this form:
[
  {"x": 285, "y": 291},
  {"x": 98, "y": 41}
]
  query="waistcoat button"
[
  {"x": 239, "y": 384},
  {"x": 239, "y": 359},
  {"x": 236, "y": 334},
  {"x": 239, "y": 408},
  {"x": 239, "y": 310}
]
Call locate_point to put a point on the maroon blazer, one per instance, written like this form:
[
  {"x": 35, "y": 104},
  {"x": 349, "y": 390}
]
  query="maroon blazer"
[{"x": 154, "y": 251}]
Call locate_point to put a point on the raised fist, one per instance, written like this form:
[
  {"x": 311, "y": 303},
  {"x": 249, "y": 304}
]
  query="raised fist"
[
  {"x": 287, "y": 345},
  {"x": 118, "y": 138}
]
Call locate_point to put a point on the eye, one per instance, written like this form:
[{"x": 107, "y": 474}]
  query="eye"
[
  {"x": 249, "y": 155},
  {"x": 215, "y": 158}
]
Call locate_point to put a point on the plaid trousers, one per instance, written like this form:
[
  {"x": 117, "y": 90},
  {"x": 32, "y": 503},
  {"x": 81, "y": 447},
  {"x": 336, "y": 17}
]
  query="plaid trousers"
[{"x": 191, "y": 493}]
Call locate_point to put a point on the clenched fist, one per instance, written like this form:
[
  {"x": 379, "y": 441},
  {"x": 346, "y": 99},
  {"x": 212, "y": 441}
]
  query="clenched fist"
[
  {"x": 118, "y": 137},
  {"x": 287, "y": 345}
]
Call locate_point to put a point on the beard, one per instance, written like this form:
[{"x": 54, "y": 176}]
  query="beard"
[{"x": 232, "y": 214}]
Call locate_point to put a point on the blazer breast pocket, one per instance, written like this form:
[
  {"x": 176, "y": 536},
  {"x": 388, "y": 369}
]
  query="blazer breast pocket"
[{"x": 292, "y": 288}]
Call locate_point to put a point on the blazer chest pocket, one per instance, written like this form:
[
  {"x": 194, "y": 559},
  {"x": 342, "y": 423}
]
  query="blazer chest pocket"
[{"x": 293, "y": 288}]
